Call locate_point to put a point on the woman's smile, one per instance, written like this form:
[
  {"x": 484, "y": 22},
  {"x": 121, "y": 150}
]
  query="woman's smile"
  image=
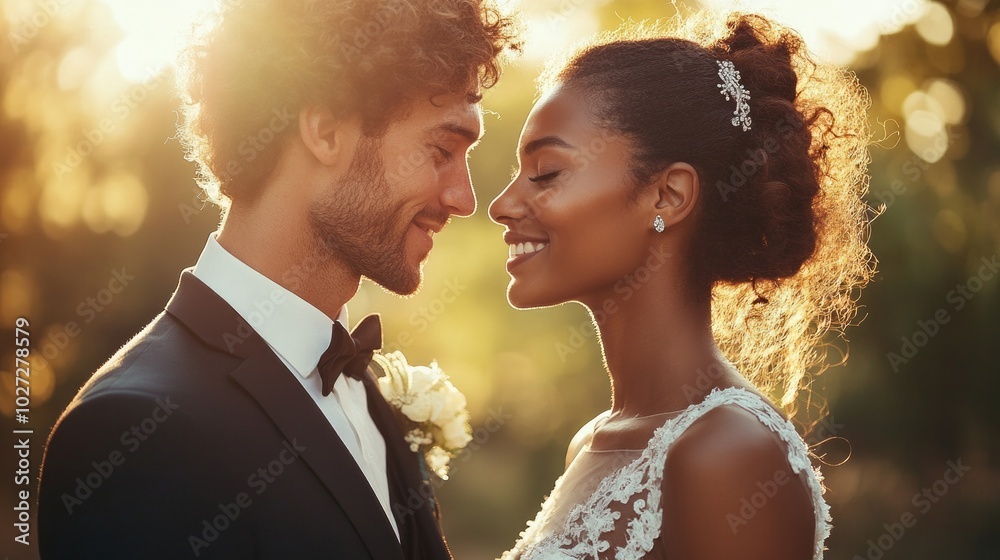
[
  {"x": 522, "y": 248},
  {"x": 521, "y": 252}
]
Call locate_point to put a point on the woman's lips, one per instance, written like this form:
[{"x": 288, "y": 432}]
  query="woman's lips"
[{"x": 522, "y": 252}]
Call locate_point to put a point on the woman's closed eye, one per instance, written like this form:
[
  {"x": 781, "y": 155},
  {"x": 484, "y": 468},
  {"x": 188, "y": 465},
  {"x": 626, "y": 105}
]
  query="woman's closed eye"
[{"x": 545, "y": 178}]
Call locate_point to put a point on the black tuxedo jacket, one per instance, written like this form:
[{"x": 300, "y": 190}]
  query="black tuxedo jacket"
[{"x": 195, "y": 441}]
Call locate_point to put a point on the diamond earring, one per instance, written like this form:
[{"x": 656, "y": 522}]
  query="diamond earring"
[{"x": 658, "y": 224}]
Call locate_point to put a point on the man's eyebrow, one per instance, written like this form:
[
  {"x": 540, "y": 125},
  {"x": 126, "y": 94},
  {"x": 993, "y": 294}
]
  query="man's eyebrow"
[
  {"x": 454, "y": 128},
  {"x": 535, "y": 145}
]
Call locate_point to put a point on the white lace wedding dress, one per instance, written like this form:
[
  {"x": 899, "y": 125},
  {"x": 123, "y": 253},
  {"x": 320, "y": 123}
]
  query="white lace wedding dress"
[{"x": 607, "y": 503}]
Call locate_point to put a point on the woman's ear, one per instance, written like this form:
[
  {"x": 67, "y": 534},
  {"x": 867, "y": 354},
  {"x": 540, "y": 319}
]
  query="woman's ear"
[
  {"x": 329, "y": 139},
  {"x": 677, "y": 190}
]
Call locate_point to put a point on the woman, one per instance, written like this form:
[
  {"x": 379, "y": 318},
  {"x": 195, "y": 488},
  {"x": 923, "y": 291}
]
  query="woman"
[{"x": 702, "y": 196}]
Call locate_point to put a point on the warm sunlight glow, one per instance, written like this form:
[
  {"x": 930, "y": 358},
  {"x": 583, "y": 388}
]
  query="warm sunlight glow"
[
  {"x": 552, "y": 26},
  {"x": 152, "y": 33},
  {"x": 836, "y": 31}
]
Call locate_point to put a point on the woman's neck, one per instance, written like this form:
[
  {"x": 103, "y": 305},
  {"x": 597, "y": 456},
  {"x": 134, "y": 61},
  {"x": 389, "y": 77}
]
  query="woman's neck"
[{"x": 660, "y": 352}]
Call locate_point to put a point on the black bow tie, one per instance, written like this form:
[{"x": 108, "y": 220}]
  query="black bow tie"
[{"x": 350, "y": 353}]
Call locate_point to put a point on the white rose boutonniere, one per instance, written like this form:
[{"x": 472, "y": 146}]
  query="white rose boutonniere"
[{"x": 435, "y": 418}]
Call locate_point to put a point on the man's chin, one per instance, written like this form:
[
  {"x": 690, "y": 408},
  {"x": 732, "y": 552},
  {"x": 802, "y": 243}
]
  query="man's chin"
[{"x": 401, "y": 283}]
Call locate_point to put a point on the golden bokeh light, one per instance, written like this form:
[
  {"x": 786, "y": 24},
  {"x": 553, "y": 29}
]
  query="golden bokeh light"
[
  {"x": 116, "y": 203},
  {"x": 17, "y": 202},
  {"x": 123, "y": 202},
  {"x": 59, "y": 204},
  {"x": 93, "y": 212},
  {"x": 926, "y": 136},
  {"x": 894, "y": 89},
  {"x": 18, "y": 294},
  {"x": 926, "y": 133},
  {"x": 15, "y": 93},
  {"x": 919, "y": 100},
  {"x": 949, "y": 98},
  {"x": 43, "y": 383},
  {"x": 935, "y": 25},
  {"x": 993, "y": 41}
]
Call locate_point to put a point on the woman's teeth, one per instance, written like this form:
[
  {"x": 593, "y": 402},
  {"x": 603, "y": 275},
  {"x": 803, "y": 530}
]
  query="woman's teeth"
[{"x": 525, "y": 248}]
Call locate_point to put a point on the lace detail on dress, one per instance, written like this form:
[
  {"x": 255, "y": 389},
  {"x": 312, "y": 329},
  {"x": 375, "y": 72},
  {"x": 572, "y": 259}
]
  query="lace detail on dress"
[{"x": 634, "y": 491}]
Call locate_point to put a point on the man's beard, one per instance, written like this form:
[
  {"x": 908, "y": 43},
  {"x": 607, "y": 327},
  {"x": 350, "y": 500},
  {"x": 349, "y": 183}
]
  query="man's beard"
[{"x": 359, "y": 225}]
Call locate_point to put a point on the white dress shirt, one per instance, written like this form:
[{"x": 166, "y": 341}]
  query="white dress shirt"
[{"x": 298, "y": 333}]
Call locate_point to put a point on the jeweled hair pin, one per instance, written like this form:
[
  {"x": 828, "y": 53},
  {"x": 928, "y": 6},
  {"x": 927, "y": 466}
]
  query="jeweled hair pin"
[{"x": 733, "y": 89}]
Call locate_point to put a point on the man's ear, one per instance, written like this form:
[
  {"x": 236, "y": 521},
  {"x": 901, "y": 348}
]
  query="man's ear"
[
  {"x": 329, "y": 139},
  {"x": 677, "y": 192}
]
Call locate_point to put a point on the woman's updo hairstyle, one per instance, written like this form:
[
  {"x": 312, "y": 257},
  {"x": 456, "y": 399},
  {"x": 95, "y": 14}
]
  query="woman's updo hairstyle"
[{"x": 782, "y": 227}]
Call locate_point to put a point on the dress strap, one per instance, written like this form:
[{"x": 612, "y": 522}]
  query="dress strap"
[
  {"x": 628, "y": 500},
  {"x": 798, "y": 453}
]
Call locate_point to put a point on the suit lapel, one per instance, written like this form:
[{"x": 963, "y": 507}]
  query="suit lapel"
[
  {"x": 419, "y": 529},
  {"x": 284, "y": 400},
  {"x": 301, "y": 422}
]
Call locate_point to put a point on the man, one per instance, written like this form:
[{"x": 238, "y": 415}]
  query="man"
[{"x": 242, "y": 422}]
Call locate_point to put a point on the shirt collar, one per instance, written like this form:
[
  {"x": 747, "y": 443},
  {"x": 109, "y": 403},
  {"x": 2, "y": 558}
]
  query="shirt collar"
[{"x": 295, "y": 329}]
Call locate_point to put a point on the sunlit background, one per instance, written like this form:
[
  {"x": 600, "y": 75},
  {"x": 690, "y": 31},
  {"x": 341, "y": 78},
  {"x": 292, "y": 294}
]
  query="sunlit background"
[{"x": 93, "y": 182}]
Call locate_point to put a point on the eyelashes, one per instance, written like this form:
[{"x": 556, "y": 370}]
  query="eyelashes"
[
  {"x": 545, "y": 178},
  {"x": 448, "y": 156},
  {"x": 515, "y": 171}
]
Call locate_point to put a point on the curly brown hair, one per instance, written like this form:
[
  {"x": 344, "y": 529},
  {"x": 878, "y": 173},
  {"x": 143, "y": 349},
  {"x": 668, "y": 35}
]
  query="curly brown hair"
[
  {"x": 781, "y": 244},
  {"x": 248, "y": 70}
]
